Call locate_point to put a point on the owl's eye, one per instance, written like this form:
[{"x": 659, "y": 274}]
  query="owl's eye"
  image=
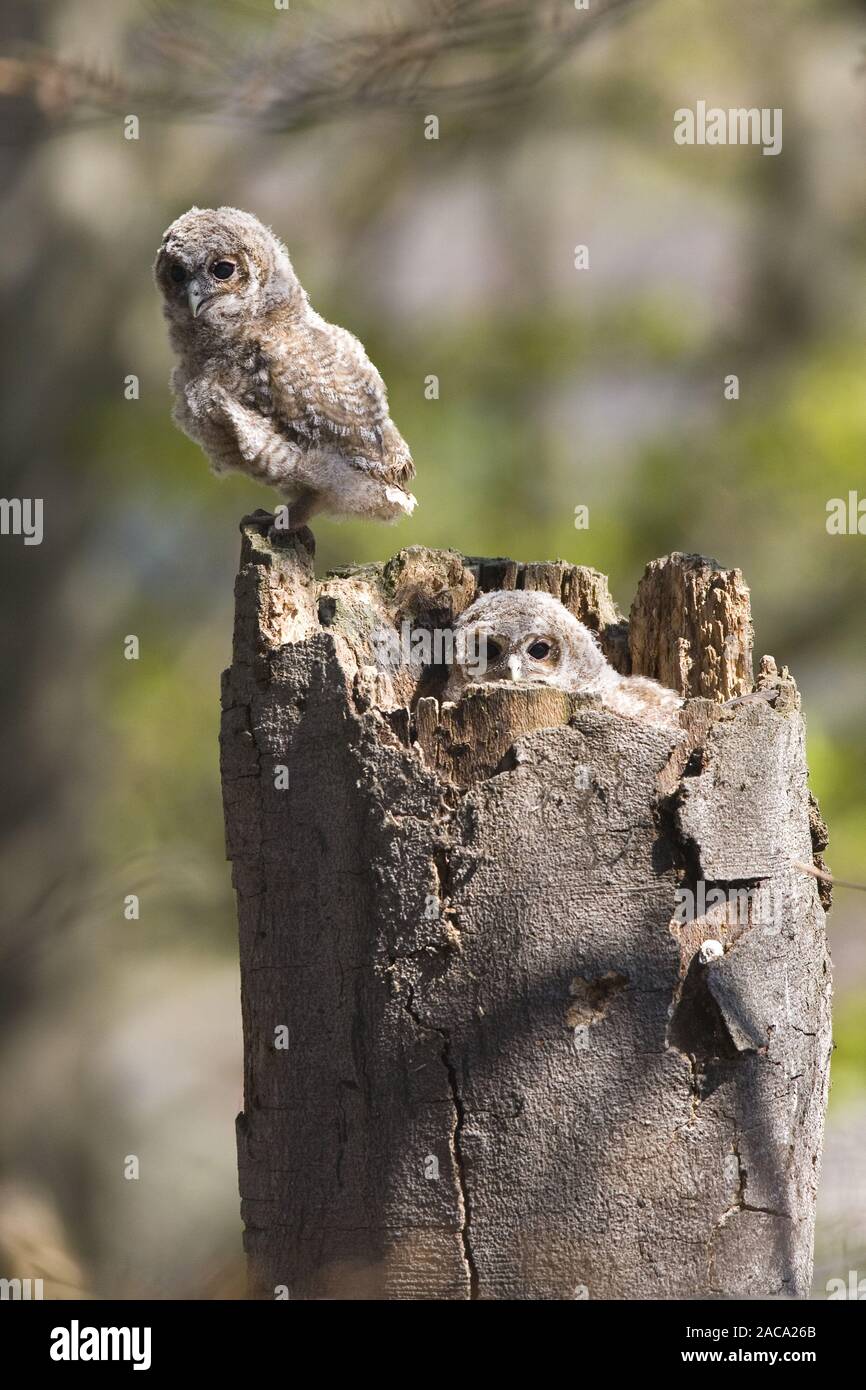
[
  {"x": 489, "y": 651},
  {"x": 223, "y": 270},
  {"x": 539, "y": 650},
  {"x": 177, "y": 273}
]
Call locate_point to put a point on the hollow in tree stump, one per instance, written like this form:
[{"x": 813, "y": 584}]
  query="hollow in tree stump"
[{"x": 488, "y": 1050}]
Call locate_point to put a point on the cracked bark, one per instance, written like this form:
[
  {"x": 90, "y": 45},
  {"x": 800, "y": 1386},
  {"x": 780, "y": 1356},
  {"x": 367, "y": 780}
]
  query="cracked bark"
[{"x": 508, "y": 1074}]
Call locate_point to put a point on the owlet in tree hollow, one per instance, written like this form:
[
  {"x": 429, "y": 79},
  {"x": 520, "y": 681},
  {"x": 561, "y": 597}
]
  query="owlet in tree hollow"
[
  {"x": 516, "y": 635},
  {"x": 265, "y": 385}
]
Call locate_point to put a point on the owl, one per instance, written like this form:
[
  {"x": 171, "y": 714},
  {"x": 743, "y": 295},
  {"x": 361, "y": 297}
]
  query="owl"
[
  {"x": 524, "y": 636},
  {"x": 264, "y": 384}
]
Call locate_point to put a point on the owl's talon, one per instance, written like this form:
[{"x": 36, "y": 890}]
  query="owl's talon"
[{"x": 295, "y": 535}]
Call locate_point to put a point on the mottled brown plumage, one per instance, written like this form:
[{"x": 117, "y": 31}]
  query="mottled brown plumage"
[{"x": 264, "y": 384}]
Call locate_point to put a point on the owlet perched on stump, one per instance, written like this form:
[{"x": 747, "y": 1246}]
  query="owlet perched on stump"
[
  {"x": 264, "y": 384},
  {"x": 525, "y": 636}
]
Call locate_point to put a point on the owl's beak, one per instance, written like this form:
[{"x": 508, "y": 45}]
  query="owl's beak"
[
  {"x": 198, "y": 297},
  {"x": 513, "y": 667}
]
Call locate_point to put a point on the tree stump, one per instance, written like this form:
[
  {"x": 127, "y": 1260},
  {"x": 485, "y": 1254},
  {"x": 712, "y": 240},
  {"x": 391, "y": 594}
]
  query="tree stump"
[{"x": 488, "y": 1052}]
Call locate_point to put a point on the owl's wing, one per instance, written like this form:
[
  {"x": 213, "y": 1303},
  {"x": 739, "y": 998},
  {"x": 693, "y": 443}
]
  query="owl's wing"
[{"x": 325, "y": 390}]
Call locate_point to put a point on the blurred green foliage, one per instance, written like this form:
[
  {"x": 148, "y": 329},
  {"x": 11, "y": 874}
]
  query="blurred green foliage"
[{"x": 557, "y": 388}]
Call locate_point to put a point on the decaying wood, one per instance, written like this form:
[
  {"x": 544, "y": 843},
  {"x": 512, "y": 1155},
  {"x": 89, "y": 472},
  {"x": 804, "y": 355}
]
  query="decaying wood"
[
  {"x": 691, "y": 627},
  {"x": 506, "y": 1071}
]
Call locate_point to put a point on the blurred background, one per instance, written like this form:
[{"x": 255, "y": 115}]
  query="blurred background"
[{"x": 557, "y": 387}]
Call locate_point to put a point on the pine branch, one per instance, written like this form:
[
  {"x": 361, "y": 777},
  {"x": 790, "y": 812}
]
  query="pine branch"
[{"x": 188, "y": 61}]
